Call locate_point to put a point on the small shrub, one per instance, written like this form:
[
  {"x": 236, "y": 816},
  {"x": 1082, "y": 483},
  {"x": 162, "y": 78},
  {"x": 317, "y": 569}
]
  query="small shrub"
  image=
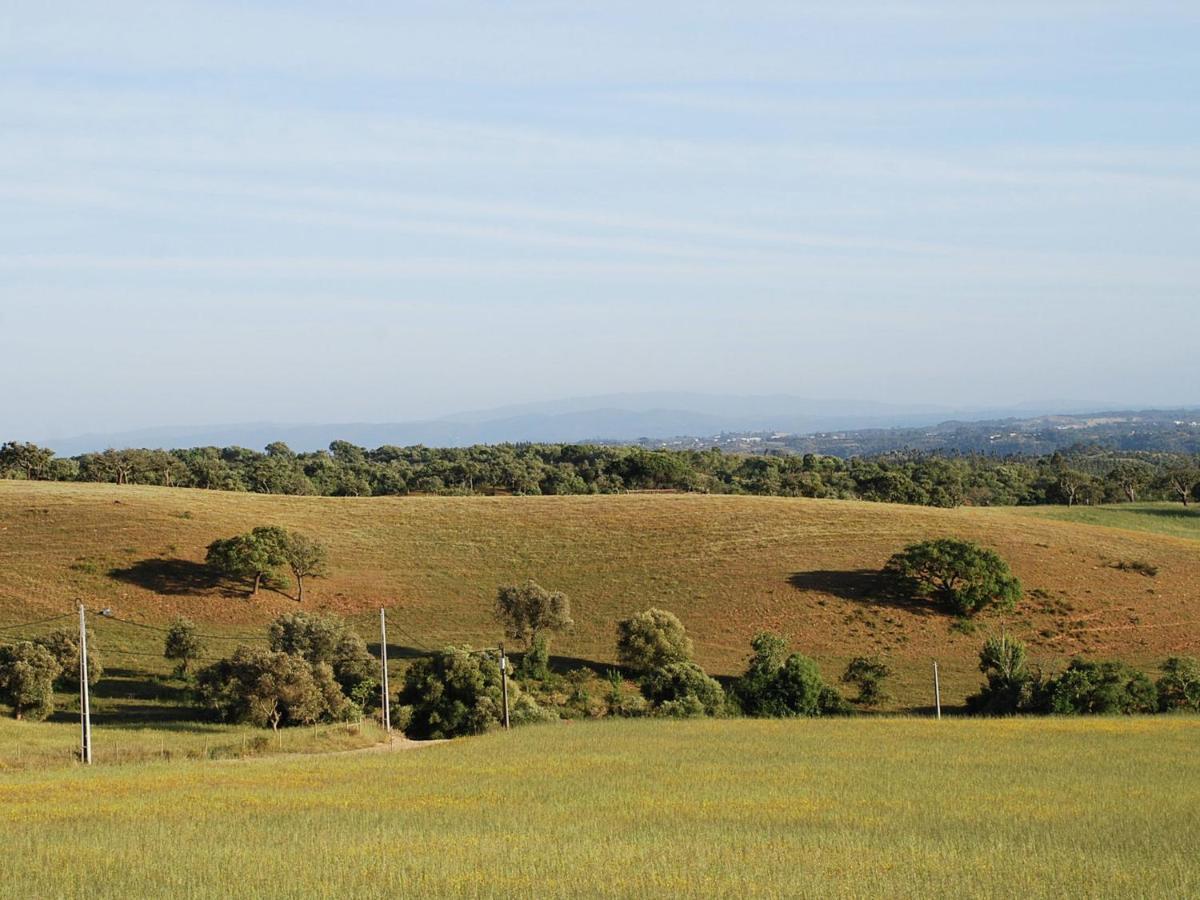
[
  {"x": 1140, "y": 566},
  {"x": 182, "y": 644},
  {"x": 535, "y": 662},
  {"x": 1011, "y": 686},
  {"x": 1179, "y": 686},
  {"x": 683, "y": 689},
  {"x": 868, "y": 673}
]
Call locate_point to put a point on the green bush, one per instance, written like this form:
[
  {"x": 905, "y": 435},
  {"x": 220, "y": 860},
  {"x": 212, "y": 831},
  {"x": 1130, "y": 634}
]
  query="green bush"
[
  {"x": 457, "y": 692},
  {"x": 1100, "y": 688},
  {"x": 682, "y": 689},
  {"x": 329, "y": 640},
  {"x": 958, "y": 575},
  {"x": 1011, "y": 686},
  {"x": 64, "y": 647},
  {"x": 868, "y": 674},
  {"x": 182, "y": 644},
  {"x": 1179, "y": 687},
  {"x": 27, "y": 673},
  {"x": 776, "y": 685},
  {"x": 651, "y": 640},
  {"x": 263, "y": 687},
  {"x": 535, "y": 662}
]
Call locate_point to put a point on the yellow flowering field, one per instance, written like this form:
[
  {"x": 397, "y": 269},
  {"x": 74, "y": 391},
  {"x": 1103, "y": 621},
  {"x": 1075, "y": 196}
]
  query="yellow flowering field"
[{"x": 639, "y": 808}]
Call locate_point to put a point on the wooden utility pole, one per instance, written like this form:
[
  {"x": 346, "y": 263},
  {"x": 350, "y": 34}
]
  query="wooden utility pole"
[
  {"x": 504, "y": 682},
  {"x": 937, "y": 690},
  {"x": 85, "y": 708},
  {"x": 383, "y": 680}
]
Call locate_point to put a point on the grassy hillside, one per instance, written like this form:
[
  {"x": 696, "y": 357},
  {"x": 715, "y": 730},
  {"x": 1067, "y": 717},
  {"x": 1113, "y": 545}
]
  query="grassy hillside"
[
  {"x": 829, "y": 808},
  {"x": 728, "y": 566},
  {"x": 1159, "y": 518}
]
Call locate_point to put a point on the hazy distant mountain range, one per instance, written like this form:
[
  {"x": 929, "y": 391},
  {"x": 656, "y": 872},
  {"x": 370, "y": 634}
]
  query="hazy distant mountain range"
[{"x": 611, "y": 418}]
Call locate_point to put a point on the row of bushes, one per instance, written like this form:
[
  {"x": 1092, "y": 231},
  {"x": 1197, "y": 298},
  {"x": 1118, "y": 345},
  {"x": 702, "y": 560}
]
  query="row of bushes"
[{"x": 1085, "y": 687}]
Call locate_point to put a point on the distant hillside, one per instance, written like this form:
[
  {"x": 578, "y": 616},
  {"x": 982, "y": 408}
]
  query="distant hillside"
[
  {"x": 623, "y": 418},
  {"x": 729, "y": 566},
  {"x": 1159, "y": 431}
]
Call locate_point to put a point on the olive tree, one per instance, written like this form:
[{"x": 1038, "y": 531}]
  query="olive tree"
[
  {"x": 27, "y": 673},
  {"x": 263, "y": 687},
  {"x": 527, "y": 610},
  {"x": 958, "y": 575},
  {"x": 651, "y": 640},
  {"x": 328, "y": 640},
  {"x": 64, "y": 647}
]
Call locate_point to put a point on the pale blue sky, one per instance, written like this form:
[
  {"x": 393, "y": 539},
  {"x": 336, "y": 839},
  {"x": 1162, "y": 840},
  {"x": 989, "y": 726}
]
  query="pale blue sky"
[{"x": 220, "y": 212}]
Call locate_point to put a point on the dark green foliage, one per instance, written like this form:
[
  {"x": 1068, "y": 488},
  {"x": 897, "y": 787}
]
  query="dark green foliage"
[
  {"x": 1011, "y": 686},
  {"x": 535, "y": 662},
  {"x": 1099, "y": 688},
  {"x": 255, "y": 556},
  {"x": 64, "y": 647},
  {"x": 27, "y": 674},
  {"x": 262, "y": 687},
  {"x": 958, "y": 575},
  {"x": 683, "y": 690},
  {"x": 528, "y": 610},
  {"x": 1161, "y": 468},
  {"x": 259, "y": 555},
  {"x": 182, "y": 644},
  {"x": 776, "y": 685},
  {"x": 458, "y": 692},
  {"x": 868, "y": 673},
  {"x": 28, "y": 461},
  {"x": 328, "y": 640},
  {"x": 651, "y": 640},
  {"x": 1179, "y": 686}
]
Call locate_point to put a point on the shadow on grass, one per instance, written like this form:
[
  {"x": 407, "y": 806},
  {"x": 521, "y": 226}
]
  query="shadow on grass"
[
  {"x": 1189, "y": 514},
  {"x": 169, "y": 576},
  {"x": 180, "y": 577},
  {"x": 866, "y": 586}
]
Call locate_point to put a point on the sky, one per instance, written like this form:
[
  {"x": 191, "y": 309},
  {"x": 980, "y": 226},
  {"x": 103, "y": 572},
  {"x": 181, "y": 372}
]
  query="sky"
[{"x": 266, "y": 211}]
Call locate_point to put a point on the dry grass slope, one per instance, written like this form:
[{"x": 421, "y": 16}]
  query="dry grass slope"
[{"x": 728, "y": 566}]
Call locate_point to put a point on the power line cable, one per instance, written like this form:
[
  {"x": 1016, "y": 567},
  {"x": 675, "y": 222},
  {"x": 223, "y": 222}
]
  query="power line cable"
[{"x": 36, "y": 622}]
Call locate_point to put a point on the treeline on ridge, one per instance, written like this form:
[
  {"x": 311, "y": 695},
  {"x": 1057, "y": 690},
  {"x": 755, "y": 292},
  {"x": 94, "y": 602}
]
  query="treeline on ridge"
[{"x": 1081, "y": 476}]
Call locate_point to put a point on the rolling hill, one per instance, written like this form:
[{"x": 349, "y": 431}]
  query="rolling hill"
[{"x": 727, "y": 565}]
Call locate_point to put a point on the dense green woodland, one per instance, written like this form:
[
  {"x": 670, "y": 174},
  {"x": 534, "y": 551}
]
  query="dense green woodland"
[{"x": 1079, "y": 476}]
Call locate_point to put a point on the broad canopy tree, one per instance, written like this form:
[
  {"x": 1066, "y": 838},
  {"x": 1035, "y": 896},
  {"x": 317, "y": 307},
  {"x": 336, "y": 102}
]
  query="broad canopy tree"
[
  {"x": 959, "y": 575},
  {"x": 259, "y": 555}
]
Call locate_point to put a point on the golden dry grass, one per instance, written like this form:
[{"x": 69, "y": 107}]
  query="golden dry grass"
[{"x": 728, "y": 566}]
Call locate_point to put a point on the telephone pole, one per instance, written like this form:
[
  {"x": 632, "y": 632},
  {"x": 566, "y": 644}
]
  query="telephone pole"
[
  {"x": 85, "y": 708},
  {"x": 937, "y": 690},
  {"x": 504, "y": 682},
  {"x": 383, "y": 681}
]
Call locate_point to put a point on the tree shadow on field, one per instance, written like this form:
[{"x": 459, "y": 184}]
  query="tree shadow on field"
[
  {"x": 867, "y": 586},
  {"x": 1190, "y": 514},
  {"x": 174, "y": 576}
]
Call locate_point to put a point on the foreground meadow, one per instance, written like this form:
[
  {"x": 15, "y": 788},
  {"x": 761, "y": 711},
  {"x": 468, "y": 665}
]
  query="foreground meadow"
[{"x": 884, "y": 807}]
